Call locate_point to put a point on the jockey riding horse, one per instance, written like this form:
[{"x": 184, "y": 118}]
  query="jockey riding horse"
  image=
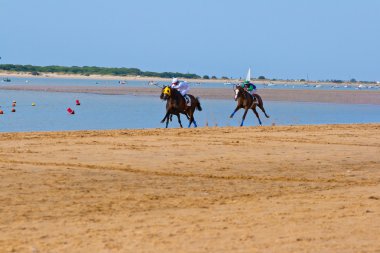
[{"x": 176, "y": 104}]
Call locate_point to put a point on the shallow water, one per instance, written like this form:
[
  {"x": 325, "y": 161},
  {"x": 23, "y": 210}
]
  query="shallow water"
[
  {"x": 33, "y": 81},
  {"x": 126, "y": 111}
]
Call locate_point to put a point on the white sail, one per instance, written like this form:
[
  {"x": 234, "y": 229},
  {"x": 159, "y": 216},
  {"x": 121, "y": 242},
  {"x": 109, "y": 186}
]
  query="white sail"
[{"x": 248, "y": 78}]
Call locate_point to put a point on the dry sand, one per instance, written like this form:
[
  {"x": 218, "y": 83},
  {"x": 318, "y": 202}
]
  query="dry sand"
[{"x": 264, "y": 189}]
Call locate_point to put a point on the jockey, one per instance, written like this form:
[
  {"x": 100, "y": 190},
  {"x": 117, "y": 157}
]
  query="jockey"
[
  {"x": 250, "y": 88},
  {"x": 182, "y": 87}
]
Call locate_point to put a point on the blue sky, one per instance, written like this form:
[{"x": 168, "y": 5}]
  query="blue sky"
[{"x": 322, "y": 39}]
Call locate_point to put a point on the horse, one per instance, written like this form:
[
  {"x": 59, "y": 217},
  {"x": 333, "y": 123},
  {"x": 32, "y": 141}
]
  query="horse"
[
  {"x": 176, "y": 104},
  {"x": 247, "y": 101}
]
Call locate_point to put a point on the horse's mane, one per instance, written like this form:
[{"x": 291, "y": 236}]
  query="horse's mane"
[
  {"x": 242, "y": 89},
  {"x": 175, "y": 91},
  {"x": 176, "y": 95}
]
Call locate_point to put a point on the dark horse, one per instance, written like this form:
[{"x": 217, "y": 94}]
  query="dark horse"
[
  {"x": 246, "y": 101},
  {"x": 176, "y": 104}
]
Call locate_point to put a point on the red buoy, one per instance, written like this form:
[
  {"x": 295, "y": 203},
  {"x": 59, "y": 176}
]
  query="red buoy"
[
  {"x": 13, "y": 110},
  {"x": 13, "y": 104},
  {"x": 77, "y": 102},
  {"x": 1, "y": 112},
  {"x": 70, "y": 111}
]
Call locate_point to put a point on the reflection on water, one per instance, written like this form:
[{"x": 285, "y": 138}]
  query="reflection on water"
[{"x": 125, "y": 111}]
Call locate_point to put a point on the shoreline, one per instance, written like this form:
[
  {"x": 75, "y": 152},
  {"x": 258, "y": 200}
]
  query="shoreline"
[
  {"x": 322, "y": 96},
  {"x": 158, "y": 79}
]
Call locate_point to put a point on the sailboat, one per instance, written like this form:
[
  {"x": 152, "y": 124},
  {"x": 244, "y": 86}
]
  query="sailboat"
[{"x": 248, "y": 78}]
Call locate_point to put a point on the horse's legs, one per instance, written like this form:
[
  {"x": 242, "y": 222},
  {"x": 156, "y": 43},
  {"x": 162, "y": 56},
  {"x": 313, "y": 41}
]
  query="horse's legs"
[
  {"x": 257, "y": 115},
  {"x": 194, "y": 122},
  {"x": 166, "y": 116},
  {"x": 245, "y": 114},
  {"x": 261, "y": 106},
  {"x": 167, "y": 121},
  {"x": 192, "y": 110},
  {"x": 179, "y": 120},
  {"x": 191, "y": 118},
  {"x": 236, "y": 109},
  {"x": 190, "y": 121}
]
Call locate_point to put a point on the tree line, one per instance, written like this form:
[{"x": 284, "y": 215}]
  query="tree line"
[{"x": 92, "y": 70}]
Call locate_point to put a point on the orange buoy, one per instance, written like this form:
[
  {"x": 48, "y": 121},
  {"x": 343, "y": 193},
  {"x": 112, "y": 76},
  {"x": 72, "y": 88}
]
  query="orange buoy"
[
  {"x": 70, "y": 111},
  {"x": 77, "y": 102},
  {"x": 1, "y": 112}
]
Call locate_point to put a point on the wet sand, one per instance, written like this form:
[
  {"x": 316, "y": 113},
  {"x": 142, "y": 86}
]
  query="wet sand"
[
  {"x": 324, "y": 96},
  {"x": 263, "y": 189}
]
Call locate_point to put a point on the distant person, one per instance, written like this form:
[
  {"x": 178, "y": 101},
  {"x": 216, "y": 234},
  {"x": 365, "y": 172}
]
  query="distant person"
[{"x": 182, "y": 87}]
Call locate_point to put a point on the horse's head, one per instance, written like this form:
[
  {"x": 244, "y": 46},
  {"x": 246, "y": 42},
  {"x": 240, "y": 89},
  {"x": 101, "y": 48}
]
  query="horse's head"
[
  {"x": 166, "y": 92},
  {"x": 238, "y": 91}
]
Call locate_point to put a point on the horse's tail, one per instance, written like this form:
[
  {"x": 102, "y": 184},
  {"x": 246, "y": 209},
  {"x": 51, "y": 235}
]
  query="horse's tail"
[
  {"x": 261, "y": 104},
  {"x": 198, "y": 104}
]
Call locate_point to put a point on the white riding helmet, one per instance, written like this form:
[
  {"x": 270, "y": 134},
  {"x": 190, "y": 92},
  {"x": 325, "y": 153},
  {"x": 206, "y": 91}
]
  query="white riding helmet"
[{"x": 175, "y": 80}]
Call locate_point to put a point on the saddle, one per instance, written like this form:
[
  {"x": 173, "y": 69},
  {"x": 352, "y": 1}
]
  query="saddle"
[
  {"x": 255, "y": 100},
  {"x": 187, "y": 100}
]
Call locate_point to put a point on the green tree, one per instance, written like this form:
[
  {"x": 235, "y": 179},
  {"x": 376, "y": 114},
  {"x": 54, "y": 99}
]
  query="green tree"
[{"x": 89, "y": 70}]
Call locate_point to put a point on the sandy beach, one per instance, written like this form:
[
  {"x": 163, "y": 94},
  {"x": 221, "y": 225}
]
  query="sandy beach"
[
  {"x": 276, "y": 151},
  {"x": 267, "y": 189}
]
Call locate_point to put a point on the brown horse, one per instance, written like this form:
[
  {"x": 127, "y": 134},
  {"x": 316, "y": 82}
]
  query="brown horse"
[
  {"x": 176, "y": 104},
  {"x": 247, "y": 101}
]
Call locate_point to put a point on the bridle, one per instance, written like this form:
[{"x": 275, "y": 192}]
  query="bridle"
[
  {"x": 237, "y": 91},
  {"x": 167, "y": 91}
]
